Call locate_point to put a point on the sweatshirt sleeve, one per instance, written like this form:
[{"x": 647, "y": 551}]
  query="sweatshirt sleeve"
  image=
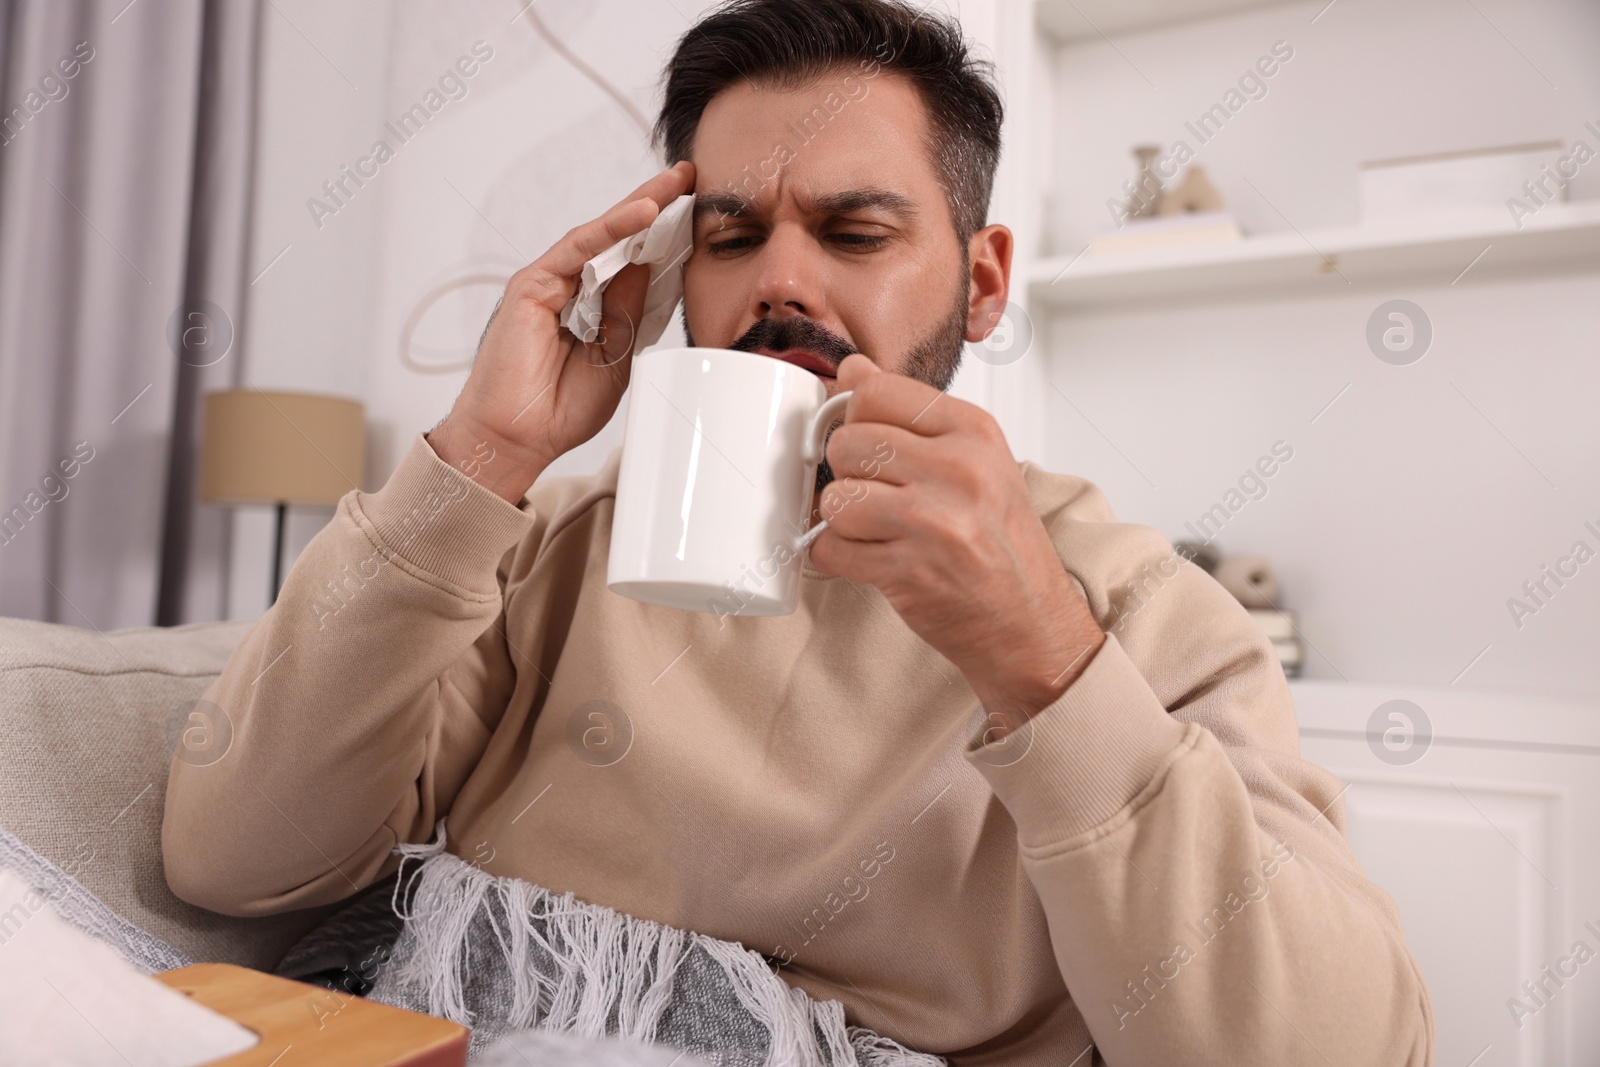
[
  {"x": 1202, "y": 901},
  {"x": 351, "y": 713}
]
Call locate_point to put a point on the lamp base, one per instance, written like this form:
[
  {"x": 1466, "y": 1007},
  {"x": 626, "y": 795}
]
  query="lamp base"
[{"x": 277, "y": 550}]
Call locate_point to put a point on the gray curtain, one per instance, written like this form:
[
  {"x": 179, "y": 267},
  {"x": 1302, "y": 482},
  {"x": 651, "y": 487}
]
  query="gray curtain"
[{"x": 125, "y": 134}]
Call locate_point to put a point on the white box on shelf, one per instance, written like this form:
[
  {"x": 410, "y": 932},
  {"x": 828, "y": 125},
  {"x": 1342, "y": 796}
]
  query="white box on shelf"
[{"x": 1456, "y": 183}]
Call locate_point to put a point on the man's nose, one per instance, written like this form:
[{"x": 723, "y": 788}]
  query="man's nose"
[{"x": 791, "y": 278}]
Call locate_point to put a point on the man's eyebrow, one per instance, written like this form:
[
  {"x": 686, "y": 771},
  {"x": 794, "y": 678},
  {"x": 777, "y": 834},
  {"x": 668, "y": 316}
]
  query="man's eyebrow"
[
  {"x": 842, "y": 203},
  {"x": 726, "y": 205},
  {"x": 733, "y": 205}
]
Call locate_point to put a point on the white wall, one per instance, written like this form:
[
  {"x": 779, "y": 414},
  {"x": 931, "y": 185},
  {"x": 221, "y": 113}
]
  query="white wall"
[{"x": 1406, "y": 517}]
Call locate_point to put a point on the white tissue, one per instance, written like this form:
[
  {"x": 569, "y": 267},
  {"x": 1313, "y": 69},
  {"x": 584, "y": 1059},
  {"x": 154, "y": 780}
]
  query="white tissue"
[
  {"x": 664, "y": 246},
  {"x": 67, "y": 998}
]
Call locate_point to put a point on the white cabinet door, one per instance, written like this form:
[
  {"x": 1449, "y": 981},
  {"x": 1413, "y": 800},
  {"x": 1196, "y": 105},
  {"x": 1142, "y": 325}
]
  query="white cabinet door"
[{"x": 1487, "y": 835}]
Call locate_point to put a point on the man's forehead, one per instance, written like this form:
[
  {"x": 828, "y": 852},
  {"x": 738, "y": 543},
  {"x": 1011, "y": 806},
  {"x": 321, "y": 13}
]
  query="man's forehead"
[
  {"x": 843, "y": 96},
  {"x": 842, "y": 142}
]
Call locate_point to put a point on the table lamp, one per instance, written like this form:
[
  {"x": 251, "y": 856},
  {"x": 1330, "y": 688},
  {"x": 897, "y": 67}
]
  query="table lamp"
[{"x": 259, "y": 447}]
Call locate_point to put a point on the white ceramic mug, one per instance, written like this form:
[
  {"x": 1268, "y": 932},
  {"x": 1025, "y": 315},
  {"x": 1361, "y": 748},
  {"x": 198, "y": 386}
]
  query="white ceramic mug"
[{"x": 719, "y": 462}]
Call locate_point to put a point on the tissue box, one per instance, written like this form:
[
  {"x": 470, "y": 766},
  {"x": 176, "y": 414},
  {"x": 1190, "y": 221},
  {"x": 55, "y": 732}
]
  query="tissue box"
[
  {"x": 326, "y": 1028},
  {"x": 1455, "y": 183}
]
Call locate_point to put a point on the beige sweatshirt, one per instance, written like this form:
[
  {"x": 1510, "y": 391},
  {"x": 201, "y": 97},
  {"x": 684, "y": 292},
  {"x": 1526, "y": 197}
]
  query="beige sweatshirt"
[{"x": 1154, "y": 870}]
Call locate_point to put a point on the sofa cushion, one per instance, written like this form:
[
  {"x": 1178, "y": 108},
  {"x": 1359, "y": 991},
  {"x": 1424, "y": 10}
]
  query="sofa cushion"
[{"x": 88, "y": 725}]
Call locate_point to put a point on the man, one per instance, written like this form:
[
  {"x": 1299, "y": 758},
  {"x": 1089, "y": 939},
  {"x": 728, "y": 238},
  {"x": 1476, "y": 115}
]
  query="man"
[{"x": 940, "y": 792}]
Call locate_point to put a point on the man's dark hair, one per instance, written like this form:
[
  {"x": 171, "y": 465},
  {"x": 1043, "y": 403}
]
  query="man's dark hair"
[{"x": 788, "y": 43}]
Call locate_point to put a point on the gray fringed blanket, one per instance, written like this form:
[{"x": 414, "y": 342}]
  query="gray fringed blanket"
[
  {"x": 539, "y": 978},
  {"x": 502, "y": 955}
]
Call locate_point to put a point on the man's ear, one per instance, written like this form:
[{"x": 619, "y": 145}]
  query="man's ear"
[{"x": 989, "y": 287}]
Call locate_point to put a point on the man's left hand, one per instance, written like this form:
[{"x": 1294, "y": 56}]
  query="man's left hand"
[{"x": 929, "y": 506}]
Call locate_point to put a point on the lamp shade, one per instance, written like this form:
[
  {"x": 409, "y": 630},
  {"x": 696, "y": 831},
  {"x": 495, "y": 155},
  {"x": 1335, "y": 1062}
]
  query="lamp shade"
[{"x": 261, "y": 447}]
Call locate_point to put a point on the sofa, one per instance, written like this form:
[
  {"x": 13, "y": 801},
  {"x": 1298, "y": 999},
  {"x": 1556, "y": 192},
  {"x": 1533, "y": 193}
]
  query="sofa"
[{"x": 88, "y": 725}]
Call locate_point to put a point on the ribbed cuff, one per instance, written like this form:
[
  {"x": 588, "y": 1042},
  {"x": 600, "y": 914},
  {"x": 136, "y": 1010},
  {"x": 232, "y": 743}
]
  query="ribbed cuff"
[
  {"x": 442, "y": 522},
  {"x": 1084, "y": 758}
]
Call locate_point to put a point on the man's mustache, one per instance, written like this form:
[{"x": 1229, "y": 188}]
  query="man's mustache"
[{"x": 781, "y": 334}]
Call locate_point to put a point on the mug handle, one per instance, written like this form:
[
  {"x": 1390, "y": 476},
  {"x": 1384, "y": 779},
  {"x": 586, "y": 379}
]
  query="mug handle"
[{"x": 815, "y": 432}]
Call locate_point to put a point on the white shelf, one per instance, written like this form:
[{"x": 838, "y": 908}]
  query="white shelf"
[
  {"x": 1459, "y": 715},
  {"x": 1425, "y": 252}
]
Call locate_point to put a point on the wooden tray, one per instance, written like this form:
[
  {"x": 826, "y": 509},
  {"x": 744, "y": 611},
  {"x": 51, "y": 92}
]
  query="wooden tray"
[{"x": 321, "y": 1026}]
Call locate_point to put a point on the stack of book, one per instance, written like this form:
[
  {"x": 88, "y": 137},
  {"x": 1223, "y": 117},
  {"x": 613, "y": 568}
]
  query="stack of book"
[{"x": 1280, "y": 627}]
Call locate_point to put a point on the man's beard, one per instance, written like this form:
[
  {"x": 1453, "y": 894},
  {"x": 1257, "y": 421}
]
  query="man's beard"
[{"x": 934, "y": 359}]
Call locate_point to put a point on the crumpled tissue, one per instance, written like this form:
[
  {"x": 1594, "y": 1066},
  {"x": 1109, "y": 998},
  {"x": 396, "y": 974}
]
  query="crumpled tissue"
[{"x": 664, "y": 245}]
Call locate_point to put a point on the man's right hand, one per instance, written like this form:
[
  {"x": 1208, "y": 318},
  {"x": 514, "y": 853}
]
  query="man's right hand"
[{"x": 535, "y": 391}]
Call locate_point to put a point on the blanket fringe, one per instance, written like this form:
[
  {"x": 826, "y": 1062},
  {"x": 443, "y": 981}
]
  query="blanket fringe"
[{"x": 588, "y": 970}]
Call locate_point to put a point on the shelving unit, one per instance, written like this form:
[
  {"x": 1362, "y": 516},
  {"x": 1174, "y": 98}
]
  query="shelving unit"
[
  {"x": 1028, "y": 37},
  {"x": 1427, "y": 251}
]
